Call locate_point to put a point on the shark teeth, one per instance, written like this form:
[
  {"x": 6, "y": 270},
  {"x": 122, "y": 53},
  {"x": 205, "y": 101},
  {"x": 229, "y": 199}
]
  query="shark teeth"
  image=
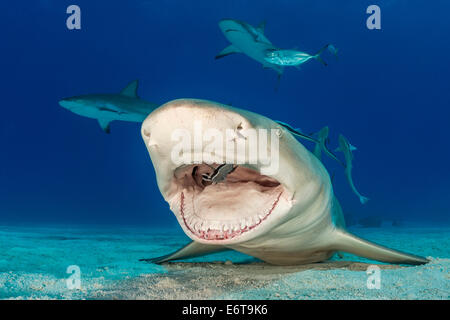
[{"x": 220, "y": 230}]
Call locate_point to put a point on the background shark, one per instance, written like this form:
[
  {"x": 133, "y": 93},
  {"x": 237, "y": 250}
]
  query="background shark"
[
  {"x": 249, "y": 40},
  {"x": 125, "y": 106}
]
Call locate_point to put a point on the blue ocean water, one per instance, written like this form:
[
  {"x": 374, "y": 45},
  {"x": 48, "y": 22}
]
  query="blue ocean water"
[{"x": 388, "y": 92}]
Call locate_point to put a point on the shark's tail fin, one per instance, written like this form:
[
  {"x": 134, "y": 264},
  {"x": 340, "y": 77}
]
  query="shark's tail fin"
[
  {"x": 363, "y": 199},
  {"x": 347, "y": 242},
  {"x": 317, "y": 55},
  {"x": 333, "y": 50}
]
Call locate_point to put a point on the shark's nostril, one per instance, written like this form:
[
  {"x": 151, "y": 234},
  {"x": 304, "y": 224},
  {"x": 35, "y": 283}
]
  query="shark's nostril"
[{"x": 146, "y": 133}]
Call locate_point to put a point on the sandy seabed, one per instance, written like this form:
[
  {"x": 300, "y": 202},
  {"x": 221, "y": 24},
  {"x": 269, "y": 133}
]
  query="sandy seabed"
[{"x": 34, "y": 261}]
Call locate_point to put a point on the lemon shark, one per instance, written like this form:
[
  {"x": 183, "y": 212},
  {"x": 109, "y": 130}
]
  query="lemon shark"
[
  {"x": 125, "y": 106},
  {"x": 248, "y": 40},
  {"x": 288, "y": 217},
  {"x": 346, "y": 148}
]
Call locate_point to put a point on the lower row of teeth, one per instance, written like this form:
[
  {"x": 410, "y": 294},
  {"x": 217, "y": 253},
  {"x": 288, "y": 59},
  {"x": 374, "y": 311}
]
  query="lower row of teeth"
[
  {"x": 198, "y": 225},
  {"x": 222, "y": 230}
]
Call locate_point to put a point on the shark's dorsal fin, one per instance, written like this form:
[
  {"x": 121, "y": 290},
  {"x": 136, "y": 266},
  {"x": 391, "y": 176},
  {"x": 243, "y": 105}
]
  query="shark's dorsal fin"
[
  {"x": 104, "y": 124},
  {"x": 227, "y": 51},
  {"x": 131, "y": 89},
  {"x": 261, "y": 27}
]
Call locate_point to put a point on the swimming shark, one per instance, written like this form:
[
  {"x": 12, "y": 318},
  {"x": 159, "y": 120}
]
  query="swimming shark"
[
  {"x": 288, "y": 217},
  {"x": 322, "y": 137},
  {"x": 125, "y": 106},
  {"x": 346, "y": 148},
  {"x": 249, "y": 40}
]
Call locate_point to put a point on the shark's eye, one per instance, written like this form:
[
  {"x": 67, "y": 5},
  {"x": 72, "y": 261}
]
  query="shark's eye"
[{"x": 278, "y": 132}]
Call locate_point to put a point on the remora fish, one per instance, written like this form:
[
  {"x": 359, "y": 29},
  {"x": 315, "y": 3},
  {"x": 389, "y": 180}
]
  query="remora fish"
[
  {"x": 285, "y": 218},
  {"x": 125, "y": 106},
  {"x": 293, "y": 58},
  {"x": 346, "y": 148},
  {"x": 322, "y": 137},
  {"x": 220, "y": 173},
  {"x": 321, "y": 144}
]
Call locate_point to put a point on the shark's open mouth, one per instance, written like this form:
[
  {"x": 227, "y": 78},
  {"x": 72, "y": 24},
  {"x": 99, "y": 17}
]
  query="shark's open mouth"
[{"x": 224, "y": 210}]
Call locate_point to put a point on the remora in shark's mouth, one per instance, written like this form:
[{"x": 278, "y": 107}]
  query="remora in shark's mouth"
[{"x": 225, "y": 210}]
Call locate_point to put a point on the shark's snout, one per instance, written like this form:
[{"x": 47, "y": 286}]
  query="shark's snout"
[
  {"x": 188, "y": 117},
  {"x": 65, "y": 103},
  {"x": 225, "y": 22},
  {"x": 227, "y": 25},
  {"x": 69, "y": 103},
  {"x": 78, "y": 106}
]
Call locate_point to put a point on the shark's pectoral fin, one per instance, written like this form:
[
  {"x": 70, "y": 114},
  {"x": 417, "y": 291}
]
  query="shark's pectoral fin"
[
  {"x": 268, "y": 65},
  {"x": 193, "y": 249},
  {"x": 105, "y": 125},
  {"x": 277, "y": 68},
  {"x": 131, "y": 89},
  {"x": 227, "y": 51},
  {"x": 347, "y": 242}
]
